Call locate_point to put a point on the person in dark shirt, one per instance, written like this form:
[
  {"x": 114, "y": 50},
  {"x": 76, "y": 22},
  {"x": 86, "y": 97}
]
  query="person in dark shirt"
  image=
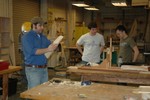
[{"x": 128, "y": 48}]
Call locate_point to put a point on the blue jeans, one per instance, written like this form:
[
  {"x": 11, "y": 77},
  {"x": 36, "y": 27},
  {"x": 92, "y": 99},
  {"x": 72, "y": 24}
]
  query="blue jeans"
[{"x": 36, "y": 76}]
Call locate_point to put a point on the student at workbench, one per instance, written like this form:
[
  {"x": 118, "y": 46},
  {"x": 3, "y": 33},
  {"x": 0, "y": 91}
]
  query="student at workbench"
[
  {"x": 128, "y": 48},
  {"x": 93, "y": 44},
  {"x": 35, "y": 45}
]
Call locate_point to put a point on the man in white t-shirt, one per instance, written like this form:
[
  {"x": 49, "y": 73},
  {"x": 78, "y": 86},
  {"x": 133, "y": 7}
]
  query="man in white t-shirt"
[{"x": 93, "y": 44}]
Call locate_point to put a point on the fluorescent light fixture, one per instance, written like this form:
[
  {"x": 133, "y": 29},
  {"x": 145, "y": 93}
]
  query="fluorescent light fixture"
[
  {"x": 80, "y": 4},
  {"x": 91, "y": 8},
  {"x": 120, "y": 3}
]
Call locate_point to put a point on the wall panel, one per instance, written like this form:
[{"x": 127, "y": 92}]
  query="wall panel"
[{"x": 23, "y": 11}]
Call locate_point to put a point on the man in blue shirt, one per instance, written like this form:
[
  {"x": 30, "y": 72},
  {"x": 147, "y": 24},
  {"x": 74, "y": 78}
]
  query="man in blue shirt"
[{"x": 35, "y": 45}]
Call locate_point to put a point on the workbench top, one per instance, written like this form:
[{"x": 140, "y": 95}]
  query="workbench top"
[
  {"x": 71, "y": 90},
  {"x": 10, "y": 69}
]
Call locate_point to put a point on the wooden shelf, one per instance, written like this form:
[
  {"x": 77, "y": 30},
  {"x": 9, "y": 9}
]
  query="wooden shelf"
[
  {"x": 74, "y": 56},
  {"x": 60, "y": 19}
]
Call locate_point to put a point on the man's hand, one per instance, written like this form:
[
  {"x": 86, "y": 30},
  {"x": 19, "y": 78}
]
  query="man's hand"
[{"x": 52, "y": 47}]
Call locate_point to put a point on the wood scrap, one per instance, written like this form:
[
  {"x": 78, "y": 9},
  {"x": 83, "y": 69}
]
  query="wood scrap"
[
  {"x": 107, "y": 62},
  {"x": 144, "y": 90},
  {"x": 133, "y": 67},
  {"x": 104, "y": 64}
]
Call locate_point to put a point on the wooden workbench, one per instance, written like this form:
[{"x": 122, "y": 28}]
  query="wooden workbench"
[
  {"x": 5, "y": 73},
  {"x": 114, "y": 74},
  {"x": 75, "y": 91}
]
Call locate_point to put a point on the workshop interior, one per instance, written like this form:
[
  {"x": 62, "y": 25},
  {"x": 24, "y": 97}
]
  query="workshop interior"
[{"x": 66, "y": 24}]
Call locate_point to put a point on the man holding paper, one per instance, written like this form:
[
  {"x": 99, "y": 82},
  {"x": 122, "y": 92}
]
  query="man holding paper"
[{"x": 35, "y": 45}]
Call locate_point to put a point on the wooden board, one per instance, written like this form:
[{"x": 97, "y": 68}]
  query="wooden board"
[
  {"x": 77, "y": 92},
  {"x": 111, "y": 69},
  {"x": 112, "y": 75},
  {"x": 11, "y": 69}
]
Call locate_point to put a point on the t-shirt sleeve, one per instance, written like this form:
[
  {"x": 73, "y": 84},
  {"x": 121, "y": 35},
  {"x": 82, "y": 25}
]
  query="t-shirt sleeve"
[
  {"x": 132, "y": 43},
  {"x": 80, "y": 41},
  {"x": 102, "y": 41},
  {"x": 47, "y": 42}
]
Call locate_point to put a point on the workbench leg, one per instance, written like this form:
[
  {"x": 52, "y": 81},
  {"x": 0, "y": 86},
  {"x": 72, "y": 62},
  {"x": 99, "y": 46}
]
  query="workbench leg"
[{"x": 5, "y": 87}]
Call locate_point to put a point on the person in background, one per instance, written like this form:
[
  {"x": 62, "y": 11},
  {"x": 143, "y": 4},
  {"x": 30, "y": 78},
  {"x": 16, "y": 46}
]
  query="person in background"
[
  {"x": 128, "y": 46},
  {"x": 93, "y": 44},
  {"x": 35, "y": 45}
]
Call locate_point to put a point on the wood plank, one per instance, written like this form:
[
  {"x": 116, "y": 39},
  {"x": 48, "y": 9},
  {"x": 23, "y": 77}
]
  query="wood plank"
[
  {"x": 117, "y": 79},
  {"x": 112, "y": 69},
  {"x": 135, "y": 68},
  {"x": 111, "y": 75}
]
